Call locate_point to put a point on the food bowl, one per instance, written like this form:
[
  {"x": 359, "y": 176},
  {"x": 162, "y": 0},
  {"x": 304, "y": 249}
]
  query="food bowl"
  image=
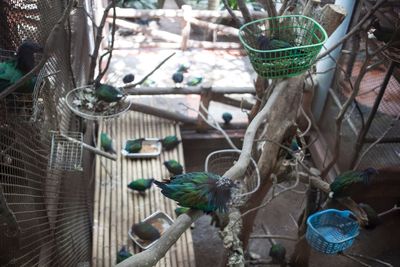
[
  {"x": 160, "y": 221},
  {"x": 151, "y": 148}
]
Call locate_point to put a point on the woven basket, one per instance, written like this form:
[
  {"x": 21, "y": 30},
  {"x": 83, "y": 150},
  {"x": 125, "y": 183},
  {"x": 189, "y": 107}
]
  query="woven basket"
[{"x": 304, "y": 34}]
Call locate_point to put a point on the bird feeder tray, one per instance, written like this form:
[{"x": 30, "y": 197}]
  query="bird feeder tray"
[
  {"x": 66, "y": 154},
  {"x": 158, "y": 220},
  {"x": 83, "y": 102},
  {"x": 25, "y": 106},
  {"x": 331, "y": 231},
  {"x": 305, "y": 36},
  {"x": 151, "y": 148}
]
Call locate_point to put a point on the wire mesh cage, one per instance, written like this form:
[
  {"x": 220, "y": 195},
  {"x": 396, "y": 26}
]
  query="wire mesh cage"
[
  {"x": 220, "y": 161},
  {"x": 83, "y": 102},
  {"x": 283, "y": 46},
  {"x": 331, "y": 231},
  {"x": 22, "y": 103},
  {"x": 66, "y": 151}
]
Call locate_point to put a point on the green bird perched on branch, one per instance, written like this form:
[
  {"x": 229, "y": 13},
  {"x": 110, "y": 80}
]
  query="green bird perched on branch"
[
  {"x": 278, "y": 254},
  {"x": 339, "y": 187},
  {"x": 170, "y": 142},
  {"x": 145, "y": 231},
  {"x": 181, "y": 210},
  {"x": 106, "y": 143},
  {"x": 134, "y": 146},
  {"x": 123, "y": 254},
  {"x": 14, "y": 69},
  {"x": 141, "y": 184},
  {"x": 108, "y": 93},
  {"x": 173, "y": 166},
  {"x": 199, "y": 190}
]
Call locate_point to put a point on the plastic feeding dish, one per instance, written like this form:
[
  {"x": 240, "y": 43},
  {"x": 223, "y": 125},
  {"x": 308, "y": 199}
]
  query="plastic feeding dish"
[
  {"x": 160, "y": 221},
  {"x": 302, "y": 35},
  {"x": 151, "y": 148},
  {"x": 331, "y": 231}
]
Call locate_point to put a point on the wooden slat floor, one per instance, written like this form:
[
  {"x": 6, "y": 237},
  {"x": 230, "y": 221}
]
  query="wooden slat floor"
[{"x": 116, "y": 207}]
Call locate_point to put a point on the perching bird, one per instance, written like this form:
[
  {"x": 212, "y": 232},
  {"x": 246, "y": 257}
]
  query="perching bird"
[
  {"x": 177, "y": 77},
  {"x": 134, "y": 146},
  {"x": 123, "y": 254},
  {"x": 227, "y": 117},
  {"x": 345, "y": 180},
  {"x": 14, "y": 69},
  {"x": 173, "y": 166},
  {"x": 183, "y": 68},
  {"x": 145, "y": 231},
  {"x": 373, "y": 217},
  {"x": 106, "y": 143},
  {"x": 108, "y": 93},
  {"x": 277, "y": 253},
  {"x": 141, "y": 184},
  {"x": 128, "y": 78},
  {"x": 170, "y": 142},
  {"x": 199, "y": 190},
  {"x": 387, "y": 33},
  {"x": 193, "y": 81},
  {"x": 265, "y": 43},
  {"x": 181, "y": 210}
]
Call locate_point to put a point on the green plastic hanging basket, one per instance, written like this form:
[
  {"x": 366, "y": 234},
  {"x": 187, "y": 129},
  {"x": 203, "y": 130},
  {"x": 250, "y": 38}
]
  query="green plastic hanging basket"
[{"x": 304, "y": 38}]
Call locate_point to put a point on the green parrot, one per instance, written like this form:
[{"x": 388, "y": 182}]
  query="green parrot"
[
  {"x": 106, "y": 143},
  {"x": 199, "y": 190},
  {"x": 14, "y": 69},
  {"x": 227, "y": 117},
  {"x": 108, "y": 93},
  {"x": 123, "y": 254},
  {"x": 194, "y": 81},
  {"x": 145, "y": 231},
  {"x": 173, "y": 166},
  {"x": 345, "y": 180},
  {"x": 278, "y": 253},
  {"x": 141, "y": 184},
  {"x": 170, "y": 142},
  {"x": 134, "y": 146},
  {"x": 180, "y": 210}
]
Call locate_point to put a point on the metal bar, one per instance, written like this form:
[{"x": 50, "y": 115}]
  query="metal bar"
[{"x": 364, "y": 131}]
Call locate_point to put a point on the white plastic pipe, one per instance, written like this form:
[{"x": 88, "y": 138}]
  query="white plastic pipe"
[{"x": 326, "y": 64}]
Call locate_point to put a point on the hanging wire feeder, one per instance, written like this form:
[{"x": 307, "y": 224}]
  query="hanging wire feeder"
[
  {"x": 22, "y": 105},
  {"x": 66, "y": 154},
  {"x": 83, "y": 102},
  {"x": 220, "y": 161}
]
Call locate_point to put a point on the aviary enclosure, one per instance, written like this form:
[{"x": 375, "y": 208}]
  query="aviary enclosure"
[{"x": 199, "y": 133}]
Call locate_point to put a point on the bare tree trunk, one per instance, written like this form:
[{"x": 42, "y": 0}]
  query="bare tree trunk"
[{"x": 280, "y": 126}]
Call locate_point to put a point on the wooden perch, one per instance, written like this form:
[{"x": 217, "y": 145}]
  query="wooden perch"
[
  {"x": 308, "y": 9},
  {"x": 152, "y": 255},
  {"x": 166, "y": 114},
  {"x": 90, "y": 148},
  {"x": 178, "y": 13},
  {"x": 186, "y": 90},
  {"x": 331, "y": 17},
  {"x": 217, "y": 27}
]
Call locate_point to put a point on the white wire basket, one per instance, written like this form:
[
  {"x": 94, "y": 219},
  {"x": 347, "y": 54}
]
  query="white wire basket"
[
  {"x": 220, "y": 161},
  {"x": 25, "y": 106},
  {"x": 82, "y": 102},
  {"x": 66, "y": 154}
]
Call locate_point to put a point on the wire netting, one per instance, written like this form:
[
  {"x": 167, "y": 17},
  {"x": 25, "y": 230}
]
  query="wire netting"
[
  {"x": 373, "y": 92},
  {"x": 44, "y": 211}
]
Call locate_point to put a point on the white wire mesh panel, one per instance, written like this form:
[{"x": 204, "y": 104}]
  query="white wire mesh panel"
[
  {"x": 81, "y": 101},
  {"x": 66, "y": 154},
  {"x": 220, "y": 161}
]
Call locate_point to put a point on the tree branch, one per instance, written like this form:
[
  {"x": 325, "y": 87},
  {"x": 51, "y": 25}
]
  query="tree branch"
[
  {"x": 152, "y": 255},
  {"x": 354, "y": 30},
  {"x": 245, "y": 11},
  {"x": 230, "y": 11}
]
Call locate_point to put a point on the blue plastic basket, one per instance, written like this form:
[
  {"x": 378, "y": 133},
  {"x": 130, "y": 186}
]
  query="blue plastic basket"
[{"x": 331, "y": 231}]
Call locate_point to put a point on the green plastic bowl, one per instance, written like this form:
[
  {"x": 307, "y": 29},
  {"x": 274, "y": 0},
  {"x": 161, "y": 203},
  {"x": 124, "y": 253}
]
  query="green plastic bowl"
[{"x": 304, "y": 34}]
